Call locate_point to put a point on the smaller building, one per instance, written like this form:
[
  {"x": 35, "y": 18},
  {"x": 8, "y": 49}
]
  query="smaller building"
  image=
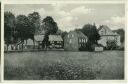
[
  {"x": 30, "y": 44},
  {"x": 75, "y": 40},
  {"x": 55, "y": 41},
  {"x": 38, "y": 40}
]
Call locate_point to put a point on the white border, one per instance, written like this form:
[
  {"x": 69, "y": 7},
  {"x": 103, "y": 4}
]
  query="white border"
[{"x": 61, "y": 2}]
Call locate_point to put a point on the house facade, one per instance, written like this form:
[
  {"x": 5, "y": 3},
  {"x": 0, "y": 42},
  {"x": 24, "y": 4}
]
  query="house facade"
[
  {"x": 55, "y": 41},
  {"x": 38, "y": 40},
  {"x": 108, "y": 35},
  {"x": 74, "y": 40}
]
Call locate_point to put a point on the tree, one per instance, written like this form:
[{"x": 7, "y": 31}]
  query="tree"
[
  {"x": 50, "y": 27},
  {"x": 63, "y": 34},
  {"x": 9, "y": 27},
  {"x": 24, "y": 28},
  {"x": 92, "y": 33},
  {"x": 34, "y": 18},
  {"x": 121, "y": 33},
  {"x": 111, "y": 44}
]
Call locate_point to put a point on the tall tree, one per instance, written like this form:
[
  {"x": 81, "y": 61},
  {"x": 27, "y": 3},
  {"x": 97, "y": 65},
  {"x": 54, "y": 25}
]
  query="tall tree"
[
  {"x": 50, "y": 27},
  {"x": 9, "y": 27},
  {"x": 92, "y": 33},
  {"x": 121, "y": 32},
  {"x": 24, "y": 27},
  {"x": 34, "y": 18}
]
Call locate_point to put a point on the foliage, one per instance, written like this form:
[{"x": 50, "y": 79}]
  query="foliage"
[
  {"x": 111, "y": 45},
  {"x": 24, "y": 27},
  {"x": 121, "y": 32},
  {"x": 49, "y": 25},
  {"x": 35, "y": 19},
  {"x": 63, "y": 34},
  {"x": 9, "y": 26},
  {"x": 91, "y": 32}
]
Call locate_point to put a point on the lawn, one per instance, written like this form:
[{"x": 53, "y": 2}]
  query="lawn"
[{"x": 61, "y": 65}]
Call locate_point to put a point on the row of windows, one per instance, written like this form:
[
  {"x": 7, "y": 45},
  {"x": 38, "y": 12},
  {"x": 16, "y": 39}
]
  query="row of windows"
[
  {"x": 70, "y": 35},
  {"x": 80, "y": 40},
  {"x": 83, "y": 40},
  {"x": 81, "y": 45}
]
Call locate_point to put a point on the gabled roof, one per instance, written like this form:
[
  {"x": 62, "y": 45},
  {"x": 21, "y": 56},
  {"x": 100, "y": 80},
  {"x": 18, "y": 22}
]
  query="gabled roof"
[
  {"x": 80, "y": 34},
  {"x": 39, "y": 37},
  {"x": 55, "y": 38},
  {"x": 107, "y": 29}
]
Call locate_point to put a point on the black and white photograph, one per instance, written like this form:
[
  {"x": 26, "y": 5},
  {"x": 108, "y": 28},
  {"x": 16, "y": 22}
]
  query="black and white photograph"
[{"x": 64, "y": 41}]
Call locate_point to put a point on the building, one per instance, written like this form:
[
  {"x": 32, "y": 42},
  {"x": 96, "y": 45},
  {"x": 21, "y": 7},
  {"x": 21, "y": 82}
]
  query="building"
[
  {"x": 38, "y": 40},
  {"x": 108, "y": 35},
  {"x": 55, "y": 41},
  {"x": 30, "y": 44},
  {"x": 75, "y": 40}
]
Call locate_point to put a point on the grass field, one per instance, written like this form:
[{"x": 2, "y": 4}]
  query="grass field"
[{"x": 61, "y": 65}]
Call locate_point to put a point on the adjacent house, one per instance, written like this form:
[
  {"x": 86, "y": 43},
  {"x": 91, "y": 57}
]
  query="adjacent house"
[
  {"x": 108, "y": 35},
  {"x": 30, "y": 44},
  {"x": 38, "y": 39},
  {"x": 55, "y": 41},
  {"x": 74, "y": 40}
]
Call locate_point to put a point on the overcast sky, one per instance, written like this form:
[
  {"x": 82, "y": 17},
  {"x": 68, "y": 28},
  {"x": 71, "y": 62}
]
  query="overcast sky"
[{"x": 71, "y": 16}]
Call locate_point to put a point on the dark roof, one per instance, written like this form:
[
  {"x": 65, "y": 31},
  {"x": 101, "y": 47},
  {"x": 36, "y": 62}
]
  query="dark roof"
[
  {"x": 39, "y": 37},
  {"x": 79, "y": 34},
  {"x": 55, "y": 38}
]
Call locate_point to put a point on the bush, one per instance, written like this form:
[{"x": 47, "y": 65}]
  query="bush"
[{"x": 111, "y": 45}]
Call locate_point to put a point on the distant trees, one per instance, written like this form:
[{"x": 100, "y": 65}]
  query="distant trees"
[
  {"x": 9, "y": 26},
  {"x": 35, "y": 20},
  {"x": 121, "y": 33},
  {"x": 20, "y": 27},
  {"x": 24, "y": 27},
  {"x": 50, "y": 27},
  {"x": 92, "y": 33}
]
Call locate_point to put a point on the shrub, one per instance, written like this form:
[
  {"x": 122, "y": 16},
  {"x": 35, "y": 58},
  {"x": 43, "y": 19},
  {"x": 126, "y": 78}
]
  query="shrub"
[{"x": 111, "y": 45}]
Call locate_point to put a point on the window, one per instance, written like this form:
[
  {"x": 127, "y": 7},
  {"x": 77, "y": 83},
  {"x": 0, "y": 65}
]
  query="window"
[
  {"x": 79, "y": 40},
  {"x": 72, "y": 35},
  {"x": 70, "y": 41},
  {"x": 102, "y": 32},
  {"x": 68, "y": 36},
  {"x": 82, "y": 40}
]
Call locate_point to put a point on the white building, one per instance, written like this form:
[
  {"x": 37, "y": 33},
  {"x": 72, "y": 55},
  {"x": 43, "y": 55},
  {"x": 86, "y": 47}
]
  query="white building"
[{"x": 107, "y": 34}]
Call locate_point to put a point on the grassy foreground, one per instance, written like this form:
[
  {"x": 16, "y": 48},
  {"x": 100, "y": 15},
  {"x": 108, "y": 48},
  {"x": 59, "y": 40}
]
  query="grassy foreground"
[{"x": 61, "y": 65}]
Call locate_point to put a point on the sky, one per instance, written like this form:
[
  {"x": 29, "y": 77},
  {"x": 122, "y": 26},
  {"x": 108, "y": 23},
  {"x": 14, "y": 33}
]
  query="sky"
[{"x": 73, "y": 15}]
